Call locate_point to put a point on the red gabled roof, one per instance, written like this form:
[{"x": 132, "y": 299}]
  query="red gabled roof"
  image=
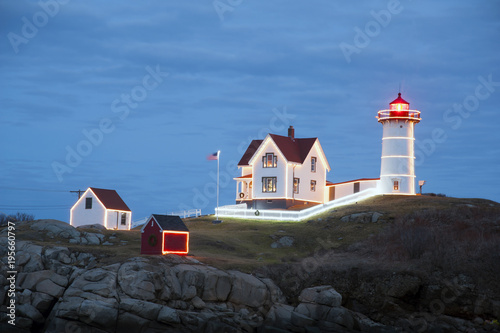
[
  {"x": 252, "y": 148},
  {"x": 295, "y": 150},
  {"x": 110, "y": 199},
  {"x": 399, "y": 100}
]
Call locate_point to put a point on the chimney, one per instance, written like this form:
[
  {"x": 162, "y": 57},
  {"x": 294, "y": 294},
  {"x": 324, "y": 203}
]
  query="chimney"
[{"x": 291, "y": 133}]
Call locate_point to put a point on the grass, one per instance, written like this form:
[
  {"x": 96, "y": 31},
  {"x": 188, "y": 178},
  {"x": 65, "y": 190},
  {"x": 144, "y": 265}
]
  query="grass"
[{"x": 246, "y": 244}]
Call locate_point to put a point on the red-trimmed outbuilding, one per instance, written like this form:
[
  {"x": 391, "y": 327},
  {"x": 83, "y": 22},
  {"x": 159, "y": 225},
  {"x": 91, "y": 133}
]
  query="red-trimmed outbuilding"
[{"x": 164, "y": 234}]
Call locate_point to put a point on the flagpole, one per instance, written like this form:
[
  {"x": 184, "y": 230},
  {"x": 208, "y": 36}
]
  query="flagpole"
[{"x": 217, "y": 211}]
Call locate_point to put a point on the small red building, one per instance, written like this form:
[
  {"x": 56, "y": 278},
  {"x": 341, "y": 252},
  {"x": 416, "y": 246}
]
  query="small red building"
[{"x": 164, "y": 234}]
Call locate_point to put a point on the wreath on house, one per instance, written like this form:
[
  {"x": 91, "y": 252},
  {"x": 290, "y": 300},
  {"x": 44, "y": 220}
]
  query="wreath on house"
[{"x": 152, "y": 240}]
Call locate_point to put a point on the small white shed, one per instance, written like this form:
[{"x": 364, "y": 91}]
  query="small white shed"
[{"x": 101, "y": 206}]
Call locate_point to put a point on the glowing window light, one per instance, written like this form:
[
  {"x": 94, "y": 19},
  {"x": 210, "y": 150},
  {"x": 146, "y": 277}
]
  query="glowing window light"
[
  {"x": 175, "y": 242},
  {"x": 261, "y": 149}
]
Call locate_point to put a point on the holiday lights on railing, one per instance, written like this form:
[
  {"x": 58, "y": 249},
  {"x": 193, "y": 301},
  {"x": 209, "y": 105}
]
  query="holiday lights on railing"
[{"x": 413, "y": 115}]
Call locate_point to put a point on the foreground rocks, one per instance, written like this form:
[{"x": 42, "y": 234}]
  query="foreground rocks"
[
  {"x": 61, "y": 291},
  {"x": 58, "y": 290}
]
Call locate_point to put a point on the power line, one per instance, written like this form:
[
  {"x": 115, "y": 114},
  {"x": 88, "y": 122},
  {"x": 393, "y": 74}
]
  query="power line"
[
  {"x": 29, "y": 209},
  {"x": 33, "y": 206},
  {"x": 79, "y": 193},
  {"x": 29, "y": 189}
]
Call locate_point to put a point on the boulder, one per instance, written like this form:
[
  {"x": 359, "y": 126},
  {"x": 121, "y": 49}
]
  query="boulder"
[
  {"x": 341, "y": 316},
  {"x": 22, "y": 258},
  {"x": 95, "y": 275},
  {"x": 128, "y": 322},
  {"x": 92, "y": 238},
  {"x": 34, "y": 264},
  {"x": 299, "y": 320},
  {"x": 29, "y": 247},
  {"x": 140, "y": 280},
  {"x": 42, "y": 302},
  {"x": 32, "y": 279},
  {"x": 324, "y": 295},
  {"x": 274, "y": 291},
  {"x": 50, "y": 288},
  {"x": 365, "y": 217},
  {"x": 376, "y": 216},
  {"x": 313, "y": 310},
  {"x": 98, "y": 313},
  {"x": 29, "y": 311},
  {"x": 168, "y": 315},
  {"x": 92, "y": 226},
  {"x": 198, "y": 303},
  {"x": 54, "y": 252},
  {"x": 140, "y": 308},
  {"x": 57, "y": 228},
  {"x": 247, "y": 290},
  {"x": 285, "y": 241},
  {"x": 280, "y": 315}
]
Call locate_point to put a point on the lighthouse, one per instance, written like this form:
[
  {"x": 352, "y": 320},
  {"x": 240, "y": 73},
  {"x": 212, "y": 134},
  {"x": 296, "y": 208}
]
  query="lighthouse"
[{"x": 397, "y": 169}]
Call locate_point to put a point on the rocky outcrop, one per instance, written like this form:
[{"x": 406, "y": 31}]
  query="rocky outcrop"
[
  {"x": 319, "y": 310},
  {"x": 59, "y": 229},
  {"x": 284, "y": 241},
  {"x": 58, "y": 290},
  {"x": 368, "y": 217}
]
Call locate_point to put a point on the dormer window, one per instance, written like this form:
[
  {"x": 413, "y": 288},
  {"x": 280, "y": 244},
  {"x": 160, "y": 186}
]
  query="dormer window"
[
  {"x": 313, "y": 164},
  {"x": 269, "y": 161}
]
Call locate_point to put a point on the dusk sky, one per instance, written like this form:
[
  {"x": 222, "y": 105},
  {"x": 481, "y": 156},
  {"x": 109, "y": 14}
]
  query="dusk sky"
[{"x": 133, "y": 95}]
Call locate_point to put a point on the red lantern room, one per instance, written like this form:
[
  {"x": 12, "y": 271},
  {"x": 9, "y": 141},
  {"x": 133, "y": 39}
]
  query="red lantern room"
[{"x": 399, "y": 109}]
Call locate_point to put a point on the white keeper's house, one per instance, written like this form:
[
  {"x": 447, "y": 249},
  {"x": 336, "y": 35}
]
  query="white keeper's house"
[
  {"x": 289, "y": 173},
  {"x": 282, "y": 171},
  {"x": 101, "y": 206}
]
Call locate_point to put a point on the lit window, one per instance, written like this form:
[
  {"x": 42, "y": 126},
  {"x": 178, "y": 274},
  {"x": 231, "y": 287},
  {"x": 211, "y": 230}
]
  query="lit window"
[
  {"x": 268, "y": 184},
  {"x": 313, "y": 186},
  {"x": 396, "y": 185},
  {"x": 296, "y": 182},
  {"x": 88, "y": 203},
  {"x": 269, "y": 161},
  {"x": 124, "y": 218},
  {"x": 313, "y": 164},
  {"x": 251, "y": 184}
]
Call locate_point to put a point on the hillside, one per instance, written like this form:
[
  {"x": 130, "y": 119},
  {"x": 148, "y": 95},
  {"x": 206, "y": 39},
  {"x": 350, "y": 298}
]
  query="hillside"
[{"x": 391, "y": 258}]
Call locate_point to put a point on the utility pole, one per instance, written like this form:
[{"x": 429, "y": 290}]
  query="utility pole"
[{"x": 79, "y": 193}]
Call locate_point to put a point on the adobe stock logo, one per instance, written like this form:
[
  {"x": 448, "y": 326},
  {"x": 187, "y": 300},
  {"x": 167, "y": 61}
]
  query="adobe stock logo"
[
  {"x": 94, "y": 137},
  {"x": 40, "y": 19},
  {"x": 373, "y": 28}
]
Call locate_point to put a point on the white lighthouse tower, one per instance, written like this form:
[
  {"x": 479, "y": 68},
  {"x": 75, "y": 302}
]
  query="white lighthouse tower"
[{"x": 397, "y": 170}]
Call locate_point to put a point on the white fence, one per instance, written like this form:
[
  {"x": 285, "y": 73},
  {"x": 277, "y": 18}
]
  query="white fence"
[
  {"x": 187, "y": 213},
  {"x": 240, "y": 211},
  {"x": 139, "y": 222}
]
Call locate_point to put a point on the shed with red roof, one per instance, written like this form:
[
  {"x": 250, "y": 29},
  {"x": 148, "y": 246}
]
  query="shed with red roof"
[{"x": 101, "y": 206}]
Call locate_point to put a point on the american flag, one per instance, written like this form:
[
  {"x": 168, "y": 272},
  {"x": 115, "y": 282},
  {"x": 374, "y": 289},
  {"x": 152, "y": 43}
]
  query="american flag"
[{"x": 213, "y": 157}]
